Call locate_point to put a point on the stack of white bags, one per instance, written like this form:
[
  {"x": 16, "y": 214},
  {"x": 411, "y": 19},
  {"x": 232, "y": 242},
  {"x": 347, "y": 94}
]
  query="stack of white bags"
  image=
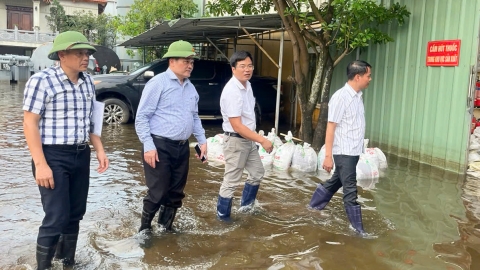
[
  {"x": 302, "y": 157},
  {"x": 474, "y": 147}
]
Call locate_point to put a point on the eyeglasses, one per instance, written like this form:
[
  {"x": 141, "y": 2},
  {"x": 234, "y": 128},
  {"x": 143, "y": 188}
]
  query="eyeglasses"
[
  {"x": 244, "y": 67},
  {"x": 79, "y": 53}
]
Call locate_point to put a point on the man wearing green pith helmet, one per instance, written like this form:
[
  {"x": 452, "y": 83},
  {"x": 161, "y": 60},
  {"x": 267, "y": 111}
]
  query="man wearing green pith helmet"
[
  {"x": 57, "y": 105},
  {"x": 166, "y": 117}
]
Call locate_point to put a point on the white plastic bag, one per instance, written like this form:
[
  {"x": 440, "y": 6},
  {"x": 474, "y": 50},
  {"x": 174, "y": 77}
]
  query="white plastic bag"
[
  {"x": 366, "y": 169},
  {"x": 304, "y": 158},
  {"x": 365, "y": 143},
  {"x": 382, "y": 159},
  {"x": 474, "y": 143},
  {"x": 321, "y": 159},
  {"x": 284, "y": 154},
  {"x": 473, "y": 156},
  {"x": 372, "y": 155},
  {"x": 476, "y": 132},
  {"x": 215, "y": 148},
  {"x": 267, "y": 158},
  {"x": 276, "y": 141}
]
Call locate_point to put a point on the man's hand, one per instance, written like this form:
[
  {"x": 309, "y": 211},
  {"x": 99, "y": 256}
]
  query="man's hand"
[
  {"x": 151, "y": 157},
  {"x": 203, "y": 152},
  {"x": 44, "y": 176},
  {"x": 102, "y": 162},
  {"x": 328, "y": 164},
  {"x": 267, "y": 145}
]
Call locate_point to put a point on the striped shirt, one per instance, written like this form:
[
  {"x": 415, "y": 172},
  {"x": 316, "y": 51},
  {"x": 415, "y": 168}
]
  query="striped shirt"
[
  {"x": 237, "y": 101},
  {"x": 65, "y": 108},
  {"x": 169, "y": 109},
  {"x": 346, "y": 110}
]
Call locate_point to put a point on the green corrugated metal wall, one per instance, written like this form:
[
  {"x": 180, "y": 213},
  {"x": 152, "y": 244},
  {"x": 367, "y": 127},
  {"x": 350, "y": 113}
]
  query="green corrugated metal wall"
[{"x": 416, "y": 111}]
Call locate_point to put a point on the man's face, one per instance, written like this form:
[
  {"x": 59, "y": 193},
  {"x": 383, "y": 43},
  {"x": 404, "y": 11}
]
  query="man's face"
[
  {"x": 182, "y": 67},
  {"x": 364, "y": 80},
  {"x": 243, "y": 71},
  {"x": 76, "y": 59}
]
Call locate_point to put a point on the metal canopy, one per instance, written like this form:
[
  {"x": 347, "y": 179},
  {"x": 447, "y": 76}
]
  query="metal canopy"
[
  {"x": 203, "y": 30},
  {"x": 196, "y": 30}
]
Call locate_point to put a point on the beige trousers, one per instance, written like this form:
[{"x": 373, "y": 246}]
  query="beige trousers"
[{"x": 240, "y": 154}]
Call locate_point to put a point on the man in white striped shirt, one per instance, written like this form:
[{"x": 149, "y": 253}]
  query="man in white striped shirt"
[{"x": 344, "y": 143}]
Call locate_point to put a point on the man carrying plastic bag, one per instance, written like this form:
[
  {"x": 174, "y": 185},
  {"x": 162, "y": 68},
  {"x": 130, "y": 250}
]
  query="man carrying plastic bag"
[{"x": 237, "y": 105}]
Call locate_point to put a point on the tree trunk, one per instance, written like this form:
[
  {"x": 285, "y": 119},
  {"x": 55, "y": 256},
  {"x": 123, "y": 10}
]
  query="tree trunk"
[
  {"x": 306, "y": 127},
  {"x": 321, "y": 128}
]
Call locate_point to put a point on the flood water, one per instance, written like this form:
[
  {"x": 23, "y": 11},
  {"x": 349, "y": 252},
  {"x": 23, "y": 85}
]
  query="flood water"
[{"x": 418, "y": 217}]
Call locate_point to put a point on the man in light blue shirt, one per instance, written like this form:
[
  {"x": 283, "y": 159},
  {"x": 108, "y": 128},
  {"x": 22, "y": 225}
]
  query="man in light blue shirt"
[{"x": 167, "y": 115}]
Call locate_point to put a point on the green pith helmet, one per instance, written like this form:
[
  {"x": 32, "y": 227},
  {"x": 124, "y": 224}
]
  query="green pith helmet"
[
  {"x": 69, "y": 40},
  {"x": 181, "y": 49}
]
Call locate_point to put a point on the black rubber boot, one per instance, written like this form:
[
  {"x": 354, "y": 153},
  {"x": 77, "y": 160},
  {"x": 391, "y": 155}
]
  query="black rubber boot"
[
  {"x": 146, "y": 221},
  {"x": 224, "y": 208},
  {"x": 249, "y": 194},
  {"x": 66, "y": 248},
  {"x": 354, "y": 214},
  {"x": 320, "y": 198},
  {"x": 44, "y": 257},
  {"x": 166, "y": 216}
]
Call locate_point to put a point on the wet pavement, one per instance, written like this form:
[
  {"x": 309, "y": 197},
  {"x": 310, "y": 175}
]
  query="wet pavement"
[{"x": 418, "y": 217}]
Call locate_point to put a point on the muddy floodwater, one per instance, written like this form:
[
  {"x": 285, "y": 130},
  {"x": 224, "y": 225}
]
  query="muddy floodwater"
[{"x": 418, "y": 217}]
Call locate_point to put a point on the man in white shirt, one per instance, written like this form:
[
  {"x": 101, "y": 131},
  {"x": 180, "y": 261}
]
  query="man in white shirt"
[
  {"x": 344, "y": 143},
  {"x": 237, "y": 105}
]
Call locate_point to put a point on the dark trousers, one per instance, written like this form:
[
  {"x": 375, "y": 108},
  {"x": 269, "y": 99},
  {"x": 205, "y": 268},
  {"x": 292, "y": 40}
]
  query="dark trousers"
[
  {"x": 345, "y": 175},
  {"x": 65, "y": 205},
  {"x": 167, "y": 180}
]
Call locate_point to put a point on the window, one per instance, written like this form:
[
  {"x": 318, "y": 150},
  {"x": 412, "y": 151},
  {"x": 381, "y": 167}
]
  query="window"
[{"x": 203, "y": 70}]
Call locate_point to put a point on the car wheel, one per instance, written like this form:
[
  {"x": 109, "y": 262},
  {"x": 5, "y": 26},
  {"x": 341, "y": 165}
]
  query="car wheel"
[
  {"x": 116, "y": 112},
  {"x": 258, "y": 114}
]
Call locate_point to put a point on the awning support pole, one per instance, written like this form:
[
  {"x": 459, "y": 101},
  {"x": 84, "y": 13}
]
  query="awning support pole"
[
  {"x": 213, "y": 44},
  {"x": 279, "y": 80},
  {"x": 262, "y": 49}
]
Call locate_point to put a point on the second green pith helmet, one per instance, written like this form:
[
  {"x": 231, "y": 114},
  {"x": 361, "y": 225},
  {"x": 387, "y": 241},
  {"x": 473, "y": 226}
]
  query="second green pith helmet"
[
  {"x": 181, "y": 49},
  {"x": 69, "y": 40}
]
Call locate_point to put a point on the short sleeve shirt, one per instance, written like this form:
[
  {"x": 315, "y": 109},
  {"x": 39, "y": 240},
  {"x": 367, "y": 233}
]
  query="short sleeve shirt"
[
  {"x": 347, "y": 111},
  {"x": 65, "y": 108},
  {"x": 237, "y": 101}
]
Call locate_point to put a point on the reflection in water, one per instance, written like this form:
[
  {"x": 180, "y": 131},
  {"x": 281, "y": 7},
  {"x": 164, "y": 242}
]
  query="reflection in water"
[{"x": 419, "y": 217}]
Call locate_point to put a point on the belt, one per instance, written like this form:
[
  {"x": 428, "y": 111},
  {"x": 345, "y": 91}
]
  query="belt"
[
  {"x": 233, "y": 134},
  {"x": 180, "y": 142},
  {"x": 78, "y": 146}
]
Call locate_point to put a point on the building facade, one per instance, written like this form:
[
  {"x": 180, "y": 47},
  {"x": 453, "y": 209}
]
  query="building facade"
[
  {"x": 23, "y": 25},
  {"x": 417, "y": 111}
]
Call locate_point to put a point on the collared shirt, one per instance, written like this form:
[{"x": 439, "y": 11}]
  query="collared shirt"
[
  {"x": 346, "y": 109},
  {"x": 65, "y": 108},
  {"x": 169, "y": 109},
  {"x": 237, "y": 101}
]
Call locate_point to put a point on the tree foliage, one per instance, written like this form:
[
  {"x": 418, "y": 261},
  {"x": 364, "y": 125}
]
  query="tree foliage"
[
  {"x": 333, "y": 29},
  {"x": 98, "y": 29},
  {"x": 145, "y": 14}
]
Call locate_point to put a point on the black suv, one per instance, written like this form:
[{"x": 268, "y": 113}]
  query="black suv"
[{"x": 121, "y": 93}]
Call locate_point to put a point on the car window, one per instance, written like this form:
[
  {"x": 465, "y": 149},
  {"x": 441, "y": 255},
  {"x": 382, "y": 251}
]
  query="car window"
[
  {"x": 203, "y": 70},
  {"x": 143, "y": 68},
  {"x": 161, "y": 67}
]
